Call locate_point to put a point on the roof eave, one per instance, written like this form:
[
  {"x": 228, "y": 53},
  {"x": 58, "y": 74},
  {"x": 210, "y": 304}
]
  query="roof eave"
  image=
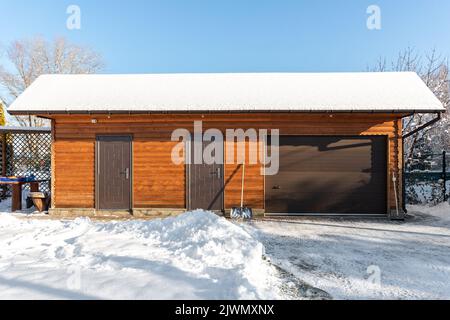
[{"x": 86, "y": 112}]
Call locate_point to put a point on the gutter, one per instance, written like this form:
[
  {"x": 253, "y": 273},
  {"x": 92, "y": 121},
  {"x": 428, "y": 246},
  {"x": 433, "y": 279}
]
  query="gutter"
[
  {"x": 404, "y": 137},
  {"x": 130, "y": 112}
]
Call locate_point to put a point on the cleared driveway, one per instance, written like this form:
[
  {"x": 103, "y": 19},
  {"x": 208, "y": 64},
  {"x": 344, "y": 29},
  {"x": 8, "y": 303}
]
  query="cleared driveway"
[{"x": 365, "y": 259}]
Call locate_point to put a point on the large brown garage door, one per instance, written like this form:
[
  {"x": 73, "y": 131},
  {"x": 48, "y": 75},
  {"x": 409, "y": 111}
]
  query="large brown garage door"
[{"x": 329, "y": 175}]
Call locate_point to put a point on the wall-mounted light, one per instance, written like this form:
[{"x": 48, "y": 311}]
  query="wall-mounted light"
[{"x": 94, "y": 121}]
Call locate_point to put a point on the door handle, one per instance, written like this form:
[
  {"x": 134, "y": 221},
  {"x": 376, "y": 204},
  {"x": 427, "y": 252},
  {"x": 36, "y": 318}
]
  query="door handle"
[
  {"x": 126, "y": 173},
  {"x": 277, "y": 187},
  {"x": 217, "y": 173}
]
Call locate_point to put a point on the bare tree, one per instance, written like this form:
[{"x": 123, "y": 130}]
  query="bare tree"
[
  {"x": 434, "y": 71},
  {"x": 33, "y": 57}
]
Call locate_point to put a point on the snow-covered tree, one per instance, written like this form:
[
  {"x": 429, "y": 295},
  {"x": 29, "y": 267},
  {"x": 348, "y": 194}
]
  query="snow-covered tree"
[
  {"x": 434, "y": 71},
  {"x": 33, "y": 57}
]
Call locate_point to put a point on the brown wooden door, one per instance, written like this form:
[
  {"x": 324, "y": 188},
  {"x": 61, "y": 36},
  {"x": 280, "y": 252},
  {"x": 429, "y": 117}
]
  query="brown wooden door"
[
  {"x": 113, "y": 179},
  {"x": 329, "y": 175},
  {"x": 206, "y": 185}
]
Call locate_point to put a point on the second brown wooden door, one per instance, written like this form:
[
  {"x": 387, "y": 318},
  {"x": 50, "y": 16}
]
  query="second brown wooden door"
[{"x": 205, "y": 186}]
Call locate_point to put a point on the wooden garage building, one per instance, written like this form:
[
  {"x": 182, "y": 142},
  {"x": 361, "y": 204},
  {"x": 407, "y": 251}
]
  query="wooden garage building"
[{"x": 340, "y": 140}]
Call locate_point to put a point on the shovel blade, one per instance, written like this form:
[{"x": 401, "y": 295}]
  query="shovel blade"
[{"x": 241, "y": 213}]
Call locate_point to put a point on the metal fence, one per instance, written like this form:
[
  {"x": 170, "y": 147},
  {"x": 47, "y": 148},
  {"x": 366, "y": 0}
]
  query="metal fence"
[
  {"x": 26, "y": 152},
  {"x": 427, "y": 179}
]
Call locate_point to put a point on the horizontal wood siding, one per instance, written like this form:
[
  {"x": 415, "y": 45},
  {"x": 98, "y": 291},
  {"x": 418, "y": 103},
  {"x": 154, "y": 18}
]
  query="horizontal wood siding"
[
  {"x": 73, "y": 166},
  {"x": 253, "y": 182},
  {"x": 159, "y": 183}
]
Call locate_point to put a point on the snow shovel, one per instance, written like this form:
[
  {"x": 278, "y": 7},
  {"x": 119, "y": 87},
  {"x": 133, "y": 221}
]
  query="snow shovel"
[{"x": 242, "y": 212}]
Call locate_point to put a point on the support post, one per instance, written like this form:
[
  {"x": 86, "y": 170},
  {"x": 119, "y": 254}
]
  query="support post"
[
  {"x": 52, "y": 166},
  {"x": 444, "y": 174},
  {"x": 396, "y": 213},
  {"x": 16, "y": 201},
  {"x": 3, "y": 154},
  {"x": 34, "y": 187},
  {"x": 4, "y": 187},
  {"x": 403, "y": 178}
]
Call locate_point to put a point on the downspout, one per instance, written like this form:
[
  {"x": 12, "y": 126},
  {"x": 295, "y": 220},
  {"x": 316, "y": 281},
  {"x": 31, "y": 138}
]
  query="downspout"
[
  {"x": 425, "y": 125},
  {"x": 409, "y": 134}
]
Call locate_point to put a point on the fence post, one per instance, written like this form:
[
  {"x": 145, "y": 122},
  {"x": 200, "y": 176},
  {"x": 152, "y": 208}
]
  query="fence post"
[
  {"x": 3, "y": 154},
  {"x": 444, "y": 174}
]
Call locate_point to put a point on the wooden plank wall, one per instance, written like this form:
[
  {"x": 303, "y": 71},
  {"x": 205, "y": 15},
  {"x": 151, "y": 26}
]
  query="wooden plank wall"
[
  {"x": 254, "y": 181},
  {"x": 73, "y": 173},
  {"x": 158, "y": 183}
]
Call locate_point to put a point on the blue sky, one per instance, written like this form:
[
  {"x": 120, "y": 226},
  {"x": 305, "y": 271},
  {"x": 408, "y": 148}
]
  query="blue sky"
[{"x": 142, "y": 36}]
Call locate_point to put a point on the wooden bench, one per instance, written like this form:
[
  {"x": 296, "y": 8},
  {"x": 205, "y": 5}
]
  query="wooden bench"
[{"x": 16, "y": 197}]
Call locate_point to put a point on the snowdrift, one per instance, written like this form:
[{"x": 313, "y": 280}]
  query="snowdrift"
[{"x": 197, "y": 255}]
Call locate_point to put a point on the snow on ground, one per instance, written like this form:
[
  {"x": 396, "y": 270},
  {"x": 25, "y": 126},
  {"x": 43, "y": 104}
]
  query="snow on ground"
[
  {"x": 346, "y": 257},
  {"x": 441, "y": 211},
  {"x": 199, "y": 255},
  {"x": 194, "y": 256}
]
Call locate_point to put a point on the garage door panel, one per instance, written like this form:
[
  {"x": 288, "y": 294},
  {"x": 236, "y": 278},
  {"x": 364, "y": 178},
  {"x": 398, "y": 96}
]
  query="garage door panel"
[
  {"x": 321, "y": 204},
  {"x": 329, "y": 175},
  {"x": 318, "y": 181}
]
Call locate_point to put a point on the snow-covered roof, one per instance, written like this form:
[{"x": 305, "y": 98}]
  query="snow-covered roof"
[
  {"x": 8, "y": 129},
  {"x": 229, "y": 92}
]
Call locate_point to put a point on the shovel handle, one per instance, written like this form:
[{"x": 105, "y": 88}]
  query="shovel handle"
[{"x": 242, "y": 184}]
